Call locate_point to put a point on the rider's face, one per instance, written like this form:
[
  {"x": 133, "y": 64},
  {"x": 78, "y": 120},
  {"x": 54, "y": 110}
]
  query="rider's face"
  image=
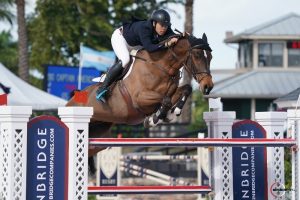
[{"x": 160, "y": 28}]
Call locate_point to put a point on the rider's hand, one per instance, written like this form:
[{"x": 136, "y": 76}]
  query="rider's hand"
[{"x": 171, "y": 42}]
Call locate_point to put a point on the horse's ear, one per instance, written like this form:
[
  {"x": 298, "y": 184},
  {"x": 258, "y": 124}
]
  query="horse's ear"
[{"x": 204, "y": 37}]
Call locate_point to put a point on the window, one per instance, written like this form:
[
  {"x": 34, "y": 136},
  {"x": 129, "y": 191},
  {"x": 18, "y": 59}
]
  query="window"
[
  {"x": 270, "y": 54},
  {"x": 293, "y": 53},
  {"x": 245, "y": 54},
  {"x": 294, "y": 57}
]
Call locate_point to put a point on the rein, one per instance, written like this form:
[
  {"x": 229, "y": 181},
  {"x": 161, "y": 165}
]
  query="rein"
[
  {"x": 188, "y": 60},
  {"x": 163, "y": 69}
]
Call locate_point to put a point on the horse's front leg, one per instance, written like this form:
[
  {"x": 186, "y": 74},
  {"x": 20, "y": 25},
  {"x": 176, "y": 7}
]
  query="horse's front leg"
[
  {"x": 170, "y": 107},
  {"x": 159, "y": 116},
  {"x": 178, "y": 100},
  {"x": 184, "y": 92}
]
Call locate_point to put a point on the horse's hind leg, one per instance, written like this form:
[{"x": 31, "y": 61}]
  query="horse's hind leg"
[{"x": 97, "y": 130}]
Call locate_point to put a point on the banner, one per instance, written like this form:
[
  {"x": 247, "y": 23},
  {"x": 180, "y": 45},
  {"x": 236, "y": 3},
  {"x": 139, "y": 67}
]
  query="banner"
[{"x": 249, "y": 163}]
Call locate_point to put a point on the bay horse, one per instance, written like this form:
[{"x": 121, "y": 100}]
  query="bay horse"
[{"x": 151, "y": 91}]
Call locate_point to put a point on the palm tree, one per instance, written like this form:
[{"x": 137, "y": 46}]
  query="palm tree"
[
  {"x": 5, "y": 13},
  {"x": 22, "y": 42},
  {"x": 188, "y": 27}
]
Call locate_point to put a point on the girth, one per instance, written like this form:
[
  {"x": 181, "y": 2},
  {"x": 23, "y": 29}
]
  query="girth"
[{"x": 134, "y": 114}]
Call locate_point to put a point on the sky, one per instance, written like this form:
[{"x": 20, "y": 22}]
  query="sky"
[{"x": 215, "y": 17}]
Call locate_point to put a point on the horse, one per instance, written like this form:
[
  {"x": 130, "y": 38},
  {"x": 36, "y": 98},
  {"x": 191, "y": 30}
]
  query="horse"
[{"x": 151, "y": 92}]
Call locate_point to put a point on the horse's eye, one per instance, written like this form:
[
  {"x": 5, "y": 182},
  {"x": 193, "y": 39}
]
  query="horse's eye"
[{"x": 197, "y": 56}]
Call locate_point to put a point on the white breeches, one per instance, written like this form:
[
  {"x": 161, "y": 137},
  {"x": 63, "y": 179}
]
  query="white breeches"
[{"x": 121, "y": 48}]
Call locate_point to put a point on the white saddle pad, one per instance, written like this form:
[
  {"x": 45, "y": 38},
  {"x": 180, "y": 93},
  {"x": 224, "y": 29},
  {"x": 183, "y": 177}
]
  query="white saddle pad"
[{"x": 102, "y": 77}]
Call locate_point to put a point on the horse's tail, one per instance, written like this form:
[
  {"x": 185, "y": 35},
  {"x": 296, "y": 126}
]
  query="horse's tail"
[{"x": 92, "y": 167}]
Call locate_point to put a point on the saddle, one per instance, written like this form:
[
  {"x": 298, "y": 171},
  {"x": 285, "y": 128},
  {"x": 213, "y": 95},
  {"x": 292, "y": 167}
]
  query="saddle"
[
  {"x": 124, "y": 72},
  {"x": 120, "y": 77}
]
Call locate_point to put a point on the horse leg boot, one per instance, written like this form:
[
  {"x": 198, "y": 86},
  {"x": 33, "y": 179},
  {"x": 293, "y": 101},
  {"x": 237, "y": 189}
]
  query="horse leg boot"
[
  {"x": 160, "y": 114},
  {"x": 111, "y": 76},
  {"x": 178, "y": 100},
  {"x": 187, "y": 90}
]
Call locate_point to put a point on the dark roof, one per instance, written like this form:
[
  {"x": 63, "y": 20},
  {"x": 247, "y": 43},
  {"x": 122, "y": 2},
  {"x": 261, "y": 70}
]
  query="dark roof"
[{"x": 285, "y": 27}]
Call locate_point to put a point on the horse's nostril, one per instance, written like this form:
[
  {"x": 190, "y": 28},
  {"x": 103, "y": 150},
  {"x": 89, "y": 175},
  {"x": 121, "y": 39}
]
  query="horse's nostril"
[{"x": 207, "y": 90}]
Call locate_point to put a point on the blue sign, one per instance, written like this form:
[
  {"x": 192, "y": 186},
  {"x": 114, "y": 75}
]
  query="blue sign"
[
  {"x": 47, "y": 161},
  {"x": 249, "y": 163},
  {"x": 62, "y": 80}
]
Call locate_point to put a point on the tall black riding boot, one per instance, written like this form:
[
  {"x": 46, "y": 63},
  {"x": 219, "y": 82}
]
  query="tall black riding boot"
[{"x": 111, "y": 76}]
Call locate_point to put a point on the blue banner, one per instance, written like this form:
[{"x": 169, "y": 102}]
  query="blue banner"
[
  {"x": 62, "y": 80},
  {"x": 249, "y": 163},
  {"x": 47, "y": 161}
]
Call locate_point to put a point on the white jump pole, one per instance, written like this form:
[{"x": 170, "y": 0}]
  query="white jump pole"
[
  {"x": 13, "y": 148},
  {"x": 77, "y": 120}
]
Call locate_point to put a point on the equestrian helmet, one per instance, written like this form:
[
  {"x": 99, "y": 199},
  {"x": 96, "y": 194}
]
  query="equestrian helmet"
[{"x": 161, "y": 16}]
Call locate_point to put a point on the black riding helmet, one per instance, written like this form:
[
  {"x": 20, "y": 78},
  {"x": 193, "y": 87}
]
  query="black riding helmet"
[{"x": 161, "y": 16}]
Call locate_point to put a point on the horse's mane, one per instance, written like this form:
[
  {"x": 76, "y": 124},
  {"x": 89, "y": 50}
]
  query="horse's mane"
[
  {"x": 193, "y": 41},
  {"x": 199, "y": 42}
]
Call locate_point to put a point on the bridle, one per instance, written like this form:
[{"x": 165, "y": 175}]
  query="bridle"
[{"x": 188, "y": 64}]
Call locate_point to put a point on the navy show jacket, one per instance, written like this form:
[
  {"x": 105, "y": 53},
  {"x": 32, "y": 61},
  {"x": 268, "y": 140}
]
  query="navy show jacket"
[{"x": 143, "y": 33}]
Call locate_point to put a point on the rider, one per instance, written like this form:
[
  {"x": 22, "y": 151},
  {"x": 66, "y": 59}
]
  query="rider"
[{"x": 134, "y": 35}]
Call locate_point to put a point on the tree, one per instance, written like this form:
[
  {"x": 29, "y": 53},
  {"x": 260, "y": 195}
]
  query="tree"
[
  {"x": 5, "y": 13},
  {"x": 22, "y": 41},
  {"x": 188, "y": 27},
  {"x": 59, "y": 26},
  {"x": 8, "y": 51},
  {"x": 200, "y": 105}
]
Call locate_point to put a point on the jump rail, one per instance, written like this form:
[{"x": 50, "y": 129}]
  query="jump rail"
[
  {"x": 148, "y": 189},
  {"x": 159, "y": 157},
  {"x": 188, "y": 142}
]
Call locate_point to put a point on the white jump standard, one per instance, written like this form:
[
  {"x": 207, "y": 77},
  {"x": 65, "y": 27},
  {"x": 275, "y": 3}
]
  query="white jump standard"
[{"x": 13, "y": 126}]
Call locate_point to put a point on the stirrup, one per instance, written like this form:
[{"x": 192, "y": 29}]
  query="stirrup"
[{"x": 100, "y": 96}]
